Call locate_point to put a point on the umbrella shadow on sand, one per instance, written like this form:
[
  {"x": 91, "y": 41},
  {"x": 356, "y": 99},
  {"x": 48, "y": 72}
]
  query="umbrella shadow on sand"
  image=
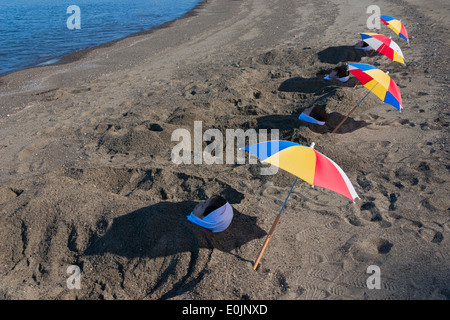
[
  {"x": 334, "y": 118},
  {"x": 341, "y": 54},
  {"x": 162, "y": 230},
  {"x": 316, "y": 85}
]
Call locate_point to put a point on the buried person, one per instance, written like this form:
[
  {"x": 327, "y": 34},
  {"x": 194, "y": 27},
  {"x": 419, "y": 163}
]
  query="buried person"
[
  {"x": 214, "y": 214},
  {"x": 315, "y": 114},
  {"x": 362, "y": 45}
]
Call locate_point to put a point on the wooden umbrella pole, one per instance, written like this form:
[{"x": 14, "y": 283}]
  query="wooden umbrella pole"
[
  {"x": 340, "y": 124},
  {"x": 273, "y": 228}
]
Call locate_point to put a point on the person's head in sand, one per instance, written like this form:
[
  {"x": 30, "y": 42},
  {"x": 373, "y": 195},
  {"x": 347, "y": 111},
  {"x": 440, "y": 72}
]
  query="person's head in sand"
[
  {"x": 214, "y": 214},
  {"x": 318, "y": 113},
  {"x": 362, "y": 45},
  {"x": 339, "y": 73},
  {"x": 205, "y": 207},
  {"x": 315, "y": 114}
]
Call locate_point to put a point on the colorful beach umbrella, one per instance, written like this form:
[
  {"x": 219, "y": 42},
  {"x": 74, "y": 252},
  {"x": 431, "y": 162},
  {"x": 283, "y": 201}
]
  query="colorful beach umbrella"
[
  {"x": 378, "y": 82},
  {"x": 305, "y": 163},
  {"x": 396, "y": 26},
  {"x": 384, "y": 45}
]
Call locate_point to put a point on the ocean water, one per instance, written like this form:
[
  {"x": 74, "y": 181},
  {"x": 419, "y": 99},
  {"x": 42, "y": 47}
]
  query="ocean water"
[{"x": 36, "y": 32}]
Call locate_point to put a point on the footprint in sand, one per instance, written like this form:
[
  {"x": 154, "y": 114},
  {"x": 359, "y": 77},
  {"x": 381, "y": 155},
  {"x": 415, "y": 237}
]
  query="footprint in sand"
[
  {"x": 370, "y": 211},
  {"x": 25, "y": 156},
  {"x": 431, "y": 235},
  {"x": 427, "y": 232},
  {"x": 311, "y": 292}
]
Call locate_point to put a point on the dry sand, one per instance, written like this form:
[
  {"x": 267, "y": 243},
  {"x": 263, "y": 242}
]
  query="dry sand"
[{"x": 86, "y": 177}]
